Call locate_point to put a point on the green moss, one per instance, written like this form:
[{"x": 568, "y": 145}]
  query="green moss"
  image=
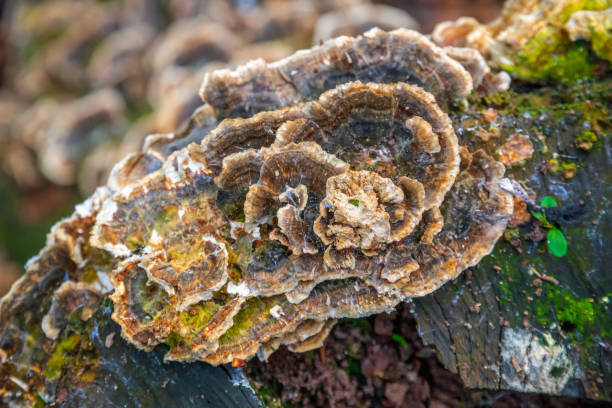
[
  {"x": 578, "y": 99},
  {"x": 61, "y": 356},
  {"x": 559, "y": 119},
  {"x": 512, "y": 235},
  {"x": 555, "y": 306},
  {"x": 550, "y": 54},
  {"x": 569, "y": 308},
  {"x": 566, "y": 168},
  {"x": 581, "y": 318},
  {"x": 586, "y": 140},
  {"x": 576, "y": 5},
  {"x": 74, "y": 351}
]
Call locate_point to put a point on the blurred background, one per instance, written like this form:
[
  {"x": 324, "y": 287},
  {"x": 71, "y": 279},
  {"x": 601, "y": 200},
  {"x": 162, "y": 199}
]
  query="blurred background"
[{"x": 82, "y": 82}]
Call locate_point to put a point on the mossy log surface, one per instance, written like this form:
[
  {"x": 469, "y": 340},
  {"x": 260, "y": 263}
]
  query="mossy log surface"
[
  {"x": 91, "y": 365},
  {"x": 524, "y": 319},
  {"x": 129, "y": 377}
]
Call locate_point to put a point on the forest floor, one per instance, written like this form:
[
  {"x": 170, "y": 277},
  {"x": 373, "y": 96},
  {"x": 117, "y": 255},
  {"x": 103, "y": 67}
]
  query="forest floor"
[{"x": 378, "y": 362}]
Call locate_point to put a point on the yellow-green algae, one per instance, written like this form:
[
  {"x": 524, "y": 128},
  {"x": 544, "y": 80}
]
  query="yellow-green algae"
[
  {"x": 152, "y": 298},
  {"x": 196, "y": 318},
  {"x": 253, "y": 311},
  {"x": 74, "y": 350},
  {"x": 239, "y": 255},
  {"x": 164, "y": 220},
  {"x": 192, "y": 321},
  {"x": 61, "y": 356}
]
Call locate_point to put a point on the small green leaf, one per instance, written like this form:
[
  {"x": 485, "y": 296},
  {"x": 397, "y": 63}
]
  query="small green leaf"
[
  {"x": 548, "y": 202},
  {"x": 540, "y": 216},
  {"x": 354, "y": 201},
  {"x": 400, "y": 340},
  {"x": 556, "y": 242}
]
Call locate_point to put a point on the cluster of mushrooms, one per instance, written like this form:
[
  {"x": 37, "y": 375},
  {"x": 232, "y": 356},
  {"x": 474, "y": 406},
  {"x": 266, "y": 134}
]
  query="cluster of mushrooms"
[{"x": 329, "y": 184}]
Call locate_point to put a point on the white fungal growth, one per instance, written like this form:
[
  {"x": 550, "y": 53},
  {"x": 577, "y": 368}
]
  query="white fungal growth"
[
  {"x": 240, "y": 289},
  {"x": 277, "y": 312},
  {"x": 155, "y": 239}
]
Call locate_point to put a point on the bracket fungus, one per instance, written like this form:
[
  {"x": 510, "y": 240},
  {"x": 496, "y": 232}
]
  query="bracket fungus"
[
  {"x": 258, "y": 86},
  {"x": 329, "y": 184}
]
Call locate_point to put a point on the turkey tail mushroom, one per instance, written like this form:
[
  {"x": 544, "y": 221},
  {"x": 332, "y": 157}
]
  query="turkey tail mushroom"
[{"x": 323, "y": 186}]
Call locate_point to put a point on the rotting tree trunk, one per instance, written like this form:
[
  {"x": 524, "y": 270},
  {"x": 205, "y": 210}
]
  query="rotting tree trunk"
[
  {"x": 523, "y": 319},
  {"x": 92, "y": 365}
]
